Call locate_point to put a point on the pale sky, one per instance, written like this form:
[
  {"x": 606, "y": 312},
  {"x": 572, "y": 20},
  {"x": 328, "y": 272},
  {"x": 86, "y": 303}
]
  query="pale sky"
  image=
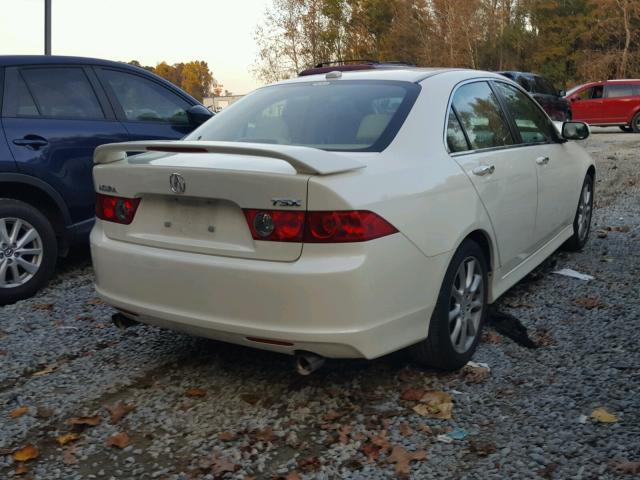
[{"x": 219, "y": 32}]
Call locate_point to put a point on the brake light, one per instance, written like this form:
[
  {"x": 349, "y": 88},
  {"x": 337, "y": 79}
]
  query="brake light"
[
  {"x": 116, "y": 209},
  {"x": 317, "y": 227},
  {"x": 275, "y": 225}
]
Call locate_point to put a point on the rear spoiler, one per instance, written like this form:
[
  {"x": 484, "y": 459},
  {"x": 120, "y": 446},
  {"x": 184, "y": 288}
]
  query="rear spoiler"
[{"x": 306, "y": 160}]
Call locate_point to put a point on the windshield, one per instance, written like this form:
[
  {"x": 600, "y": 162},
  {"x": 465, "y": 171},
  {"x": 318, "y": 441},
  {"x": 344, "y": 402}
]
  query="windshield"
[
  {"x": 574, "y": 90},
  {"x": 355, "y": 116}
]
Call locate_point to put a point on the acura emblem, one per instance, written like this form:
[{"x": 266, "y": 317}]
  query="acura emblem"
[{"x": 177, "y": 183}]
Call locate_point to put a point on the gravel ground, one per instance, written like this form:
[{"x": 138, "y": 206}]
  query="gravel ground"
[{"x": 202, "y": 409}]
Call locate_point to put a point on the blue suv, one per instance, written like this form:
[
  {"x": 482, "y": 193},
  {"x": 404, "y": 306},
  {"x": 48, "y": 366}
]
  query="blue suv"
[{"x": 54, "y": 112}]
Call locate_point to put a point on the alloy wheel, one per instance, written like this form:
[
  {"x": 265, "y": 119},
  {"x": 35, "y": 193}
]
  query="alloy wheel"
[
  {"x": 466, "y": 304},
  {"x": 584, "y": 210},
  {"x": 20, "y": 252}
]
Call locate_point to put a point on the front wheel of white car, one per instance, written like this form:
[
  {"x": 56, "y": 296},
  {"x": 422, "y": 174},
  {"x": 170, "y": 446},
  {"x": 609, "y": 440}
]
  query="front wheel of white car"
[
  {"x": 582, "y": 219},
  {"x": 457, "y": 320}
]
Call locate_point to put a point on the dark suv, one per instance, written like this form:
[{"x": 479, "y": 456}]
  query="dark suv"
[
  {"x": 545, "y": 94},
  {"x": 54, "y": 112}
]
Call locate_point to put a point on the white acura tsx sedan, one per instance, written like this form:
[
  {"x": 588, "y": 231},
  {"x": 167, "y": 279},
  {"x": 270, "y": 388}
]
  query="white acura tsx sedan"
[{"x": 343, "y": 215}]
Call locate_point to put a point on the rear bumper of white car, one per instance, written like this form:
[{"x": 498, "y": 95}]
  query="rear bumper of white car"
[{"x": 338, "y": 300}]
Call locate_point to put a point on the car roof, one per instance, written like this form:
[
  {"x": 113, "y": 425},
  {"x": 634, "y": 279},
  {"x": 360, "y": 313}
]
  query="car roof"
[
  {"x": 16, "y": 60},
  {"x": 407, "y": 74},
  {"x": 19, "y": 60}
]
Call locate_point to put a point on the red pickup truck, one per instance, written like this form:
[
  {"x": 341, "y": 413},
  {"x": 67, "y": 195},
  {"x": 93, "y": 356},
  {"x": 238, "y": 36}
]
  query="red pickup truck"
[{"x": 609, "y": 103}]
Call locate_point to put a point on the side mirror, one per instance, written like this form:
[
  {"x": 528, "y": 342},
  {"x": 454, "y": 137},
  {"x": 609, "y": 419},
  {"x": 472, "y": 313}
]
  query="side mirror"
[
  {"x": 562, "y": 93},
  {"x": 198, "y": 114},
  {"x": 575, "y": 130}
]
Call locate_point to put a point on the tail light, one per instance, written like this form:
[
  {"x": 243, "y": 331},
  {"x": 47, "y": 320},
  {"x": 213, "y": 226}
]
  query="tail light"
[
  {"x": 317, "y": 227},
  {"x": 116, "y": 209}
]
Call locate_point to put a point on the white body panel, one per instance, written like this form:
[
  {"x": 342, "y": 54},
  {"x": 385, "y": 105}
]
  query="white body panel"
[{"x": 339, "y": 300}]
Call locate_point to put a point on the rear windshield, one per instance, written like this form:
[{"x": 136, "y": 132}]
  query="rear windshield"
[{"x": 354, "y": 116}]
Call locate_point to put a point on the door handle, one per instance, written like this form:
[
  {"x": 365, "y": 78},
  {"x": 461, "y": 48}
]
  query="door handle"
[
  {"x": 542, "y": 160},
  {"x": 34, "y": 142},
  {"x": 484, "y": 170}
]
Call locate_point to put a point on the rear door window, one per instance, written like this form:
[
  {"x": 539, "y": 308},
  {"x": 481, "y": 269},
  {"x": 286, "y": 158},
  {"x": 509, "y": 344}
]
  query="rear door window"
[
  {"x": 481, "y": 116},
  {"x": 144, "y": 100},
  {"x": 615, "y": 91},
  {"x": 58, "y": 92}
]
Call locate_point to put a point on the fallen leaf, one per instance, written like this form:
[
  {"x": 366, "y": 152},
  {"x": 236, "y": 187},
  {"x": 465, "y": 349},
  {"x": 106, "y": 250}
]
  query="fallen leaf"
[
  {"x": 87, "y": 421},
  {"x": 491, "y": 336},
  {"x": 482, "y": 449},
  {"x": 95, "y": 301},
  {"x": 195, "y": 392},
  {"x": 588, "y": 302},
  {"x": 46, "y": 370},
  {"x": 435, "y": 405},
  {"x": 43, "y": 412},
  {"x": 43, "y": 306},
  {"x": 333, "y": 415},
  {"x": 542, "y": 338},
  {"x": 292, "y": 476},
  {"x": 402, "y": 459},
  {"x": 265, "y": 435},
  {"x": 250, "y": 398},
  {"x": 18, "y": 412},
  {"x": 118, "y": 411},
  {"x": 21, "y": 469},
  {"x": 371, "y": 451},
  {"x": 67, "y": 438},
  {"x": 69, "y": 456},
  {"x": 26, "y": 453},
  {"x": 220, "y": 465},
  {"x": 227, "y": 436},
  {"x": 413, "y": 394},
  {"x": 626, "y": 468},
  {"x": 601, "y": 415},
  {"x": 405, "y": 429},
  {"x": 475, "y": 374},
  {"x": 120, "y": 440},
  {"x": 621, "y": 228},
  {"x": 86, "y": 318},
  {"x": 602, "y": 233},
  {"x": 343, "y": 434},
  {"x": 426, "y": 429},
  {"x": 309, "y": 464},
  {"x": 381, "y": 440}
]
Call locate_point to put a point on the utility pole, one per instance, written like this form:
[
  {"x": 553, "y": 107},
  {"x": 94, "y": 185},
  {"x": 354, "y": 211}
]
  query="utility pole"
[{"x": 47, "y": 27}]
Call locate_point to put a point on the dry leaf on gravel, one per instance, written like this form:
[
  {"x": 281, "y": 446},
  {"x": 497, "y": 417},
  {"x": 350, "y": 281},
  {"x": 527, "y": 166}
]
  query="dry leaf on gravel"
[
  {"x": 43, "y": 306},
  {"x": 309, "y": 464},
  {"x": 86, "y": 421},
  {"x": 413, "y": 394},
  {"x": 482, "y": 449},
  {"x": 621, "y": 228},
  {"x": 475, "y": 374},
  {"x": 405, "y": 429},
  {"x": 343, "y": 434},
  {"x": 95, "y": 301},
  {"x": 46, "y": 370},
  {"x": 626, "y": 468},
  {"x": 195, "y": 392},
  {"x": 265, "y": 435},
  {"x": 402, "y": 459},
  {"x": 381, "y": 440},
  {"x": 426, "y": 429},
  {"x": 43, "y": 412},
  {"x": 67, "y": 438},
  {"x": 435, "y": 405},
  {"x": 603, "y": 416},
  {"x": 227, "y": 436},
  {"x": 118, "y": 411},
  {"x": 21, "y": 469},
  {"x": 333, "y": 415},
  {"x": 292, "y": 476},
  {"x": 120, "y": 440},
  {"x": 18, "y": 412},
  {"x": 69, "y": 456},
  {"x": 26, "y": 453},
  {"x": 371, "y": 451},
  {"x": 588, "y": 302},
  {"x": 543, "y": 338},
  {"x": 491, "y": 336},
  {"x": 250, "y": 398},
  {"x": 220, "y": 465}
]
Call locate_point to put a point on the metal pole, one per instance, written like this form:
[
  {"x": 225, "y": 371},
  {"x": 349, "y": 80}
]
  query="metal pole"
[{"x": 47, "y": 27}]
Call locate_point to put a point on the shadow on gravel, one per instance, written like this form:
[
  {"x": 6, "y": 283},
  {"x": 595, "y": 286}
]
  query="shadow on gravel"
[{"x": 511, "y": 327}]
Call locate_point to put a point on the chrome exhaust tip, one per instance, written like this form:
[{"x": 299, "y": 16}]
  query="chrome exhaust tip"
[{"x": 307, "y": 362}]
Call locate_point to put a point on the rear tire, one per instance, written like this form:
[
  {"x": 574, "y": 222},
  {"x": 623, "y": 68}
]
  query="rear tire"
[
  {"x": 28, "y": 250},
  {"x": 582, "y": 219},
  {"x": 457, "y": 320},
  {"x": 635, "y": 123}
]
